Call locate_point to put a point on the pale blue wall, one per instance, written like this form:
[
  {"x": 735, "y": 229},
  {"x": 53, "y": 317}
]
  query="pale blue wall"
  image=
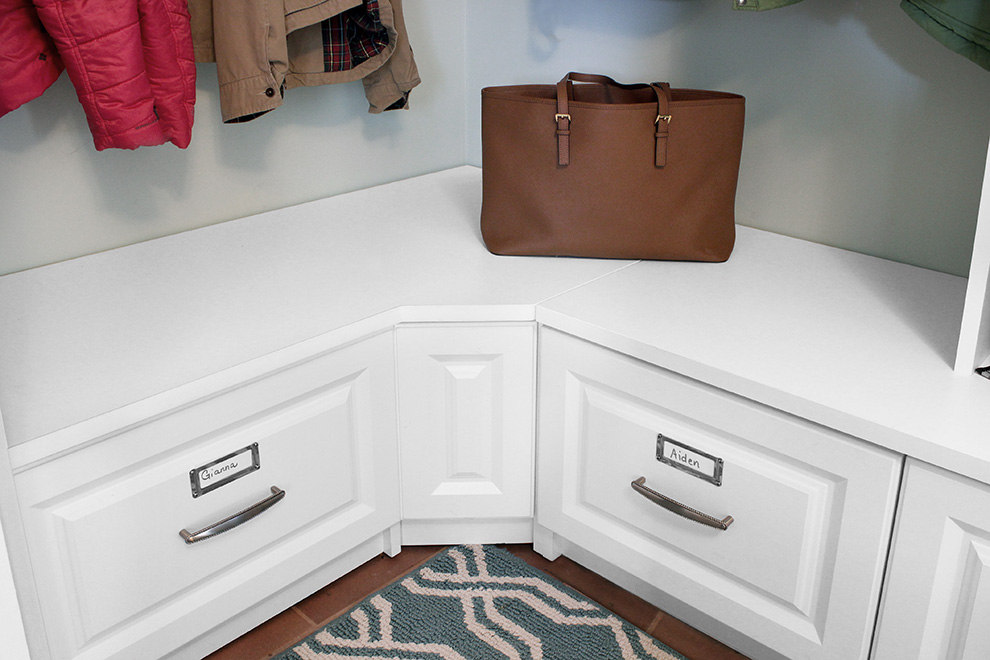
[
  {"x": 862, "y": 131},
  {"x": 59, "y": 198}
]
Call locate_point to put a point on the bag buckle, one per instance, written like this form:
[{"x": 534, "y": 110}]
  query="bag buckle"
[
  {"x": 666, "y": 118},
  {"x": 557, "y": 117}
]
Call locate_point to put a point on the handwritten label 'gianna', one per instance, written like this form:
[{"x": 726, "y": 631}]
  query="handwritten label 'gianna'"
[
  {"x": 217, "y": 471},
  {"x": 224, "y": 470}
]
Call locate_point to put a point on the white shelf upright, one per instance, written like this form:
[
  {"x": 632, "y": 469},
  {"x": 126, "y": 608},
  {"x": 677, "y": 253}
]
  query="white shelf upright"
[{"x": 974, "y": 333}]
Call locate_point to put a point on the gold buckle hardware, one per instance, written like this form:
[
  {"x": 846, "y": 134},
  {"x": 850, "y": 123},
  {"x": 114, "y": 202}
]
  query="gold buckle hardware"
[
  {"x": 666, "y": 118},
  {"x": 557, "y": 117}
]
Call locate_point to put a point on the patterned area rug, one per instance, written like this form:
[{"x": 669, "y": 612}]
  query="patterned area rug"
[{"x": 478, "y": 603}]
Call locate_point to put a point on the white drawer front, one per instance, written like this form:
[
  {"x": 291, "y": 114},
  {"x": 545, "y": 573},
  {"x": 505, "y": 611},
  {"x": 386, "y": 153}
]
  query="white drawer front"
[
  {"x": 104, "y": 531},
  {"x": 797, "y": 571}
]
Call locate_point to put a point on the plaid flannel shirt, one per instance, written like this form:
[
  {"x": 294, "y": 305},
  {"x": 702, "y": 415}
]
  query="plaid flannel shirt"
[{"x": 353, "y": 37}]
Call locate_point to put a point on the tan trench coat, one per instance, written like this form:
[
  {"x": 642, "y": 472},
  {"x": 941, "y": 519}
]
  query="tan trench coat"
[{"x": 263, "y": 47}]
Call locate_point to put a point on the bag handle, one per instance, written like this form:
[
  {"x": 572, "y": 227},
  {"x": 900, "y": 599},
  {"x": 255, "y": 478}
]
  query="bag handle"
[
  {"x": 662, "y": 121},
  {"x": 563, "y": 118}
]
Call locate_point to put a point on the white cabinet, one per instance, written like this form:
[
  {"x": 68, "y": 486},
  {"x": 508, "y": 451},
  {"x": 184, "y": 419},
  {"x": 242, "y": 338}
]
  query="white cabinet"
[
  {"x": 114, "y": 576},
  {"x": 383, "y": 384},
  {"x": 466, "y": 401},
  {"x": 937, "y": 593},
  {"x": 797, "y": 571}
]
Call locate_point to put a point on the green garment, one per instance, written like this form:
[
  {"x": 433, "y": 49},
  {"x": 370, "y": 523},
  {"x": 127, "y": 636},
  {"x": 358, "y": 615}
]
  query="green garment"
[
  {"x": 757, "y": 5},
  {"x": 962, "y": 25}
]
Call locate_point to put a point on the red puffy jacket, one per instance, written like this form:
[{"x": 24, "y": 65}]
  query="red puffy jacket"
[
  {"x": 130, "y": 61},
  {"x": 29, "y": 63}
]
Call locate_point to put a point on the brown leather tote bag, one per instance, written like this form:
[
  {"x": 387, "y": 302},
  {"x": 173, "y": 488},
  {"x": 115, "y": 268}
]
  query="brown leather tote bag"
[{"x": 604, "y": 169}]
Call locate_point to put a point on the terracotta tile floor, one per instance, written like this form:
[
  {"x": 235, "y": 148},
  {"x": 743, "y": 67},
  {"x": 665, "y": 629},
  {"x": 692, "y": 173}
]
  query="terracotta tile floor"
[{"x": 311, "y": 614}]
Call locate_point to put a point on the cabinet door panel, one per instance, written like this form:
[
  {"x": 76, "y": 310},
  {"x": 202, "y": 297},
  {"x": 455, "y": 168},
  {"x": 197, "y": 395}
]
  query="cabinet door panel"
[
  {"x": 797, "y": 571},
  {"x": 466, "y": 398},
  {"x": 783, "y": 508},
  {"x": 103, "y": 523},
  {"x": 937, "y": 594}
]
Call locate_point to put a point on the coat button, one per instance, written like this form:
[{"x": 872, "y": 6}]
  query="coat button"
[{"x": 269, "y": 92}]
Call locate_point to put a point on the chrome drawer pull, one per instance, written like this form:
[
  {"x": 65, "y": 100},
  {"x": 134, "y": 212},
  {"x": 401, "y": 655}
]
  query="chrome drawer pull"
[
  {"x": 239, "y": 518},
  {"x": 672, "y": 505}
]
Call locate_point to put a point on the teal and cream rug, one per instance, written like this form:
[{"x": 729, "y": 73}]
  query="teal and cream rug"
[{"x": 478, "y": 603}]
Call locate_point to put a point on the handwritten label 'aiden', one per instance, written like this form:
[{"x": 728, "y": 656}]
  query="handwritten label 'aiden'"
[{"x": 690, "y": 460}]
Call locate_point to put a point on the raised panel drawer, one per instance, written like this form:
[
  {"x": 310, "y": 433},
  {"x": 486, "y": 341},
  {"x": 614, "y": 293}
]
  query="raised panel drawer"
[
  {"x": 797, "y": 571},
  {"x": 116, "y": 579}
]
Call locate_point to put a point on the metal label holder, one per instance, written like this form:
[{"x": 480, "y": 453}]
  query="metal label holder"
[
  {"x": 224, "y": 470},
  {"x": 690, "y": 457}
]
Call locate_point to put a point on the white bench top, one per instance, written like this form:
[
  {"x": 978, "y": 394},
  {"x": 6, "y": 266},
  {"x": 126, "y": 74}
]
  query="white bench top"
[
  {"x": 90, "y": 335},
  {"x": 860, "y": 344}
]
